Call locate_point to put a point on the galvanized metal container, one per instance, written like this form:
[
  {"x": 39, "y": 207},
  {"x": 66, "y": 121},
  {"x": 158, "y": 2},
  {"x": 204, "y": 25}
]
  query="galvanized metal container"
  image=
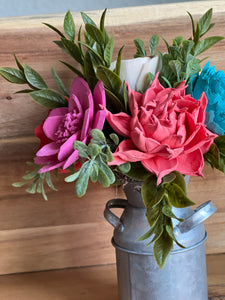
[{"x": 139, "y": 277}]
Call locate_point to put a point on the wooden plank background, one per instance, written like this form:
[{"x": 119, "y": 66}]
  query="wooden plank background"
[{"x": 67, "y": 231}]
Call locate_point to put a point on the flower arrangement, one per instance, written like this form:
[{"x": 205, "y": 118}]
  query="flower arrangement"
[{"x": 154, "y": 118}]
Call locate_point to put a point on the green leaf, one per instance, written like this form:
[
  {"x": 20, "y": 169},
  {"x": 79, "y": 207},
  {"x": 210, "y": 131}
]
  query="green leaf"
[
  {"x": 118, "y": 62},
  {"x": 169, "y": 178},
  {"x": 89, "y": 71},
  {"x": 95, "y": 33},
  {"x": 69, "y": 26},
  {"x": 73, "y": 50},
  {"x": 60, "y": 45},
  {"x": 109, "y": 154},
  {"x": 150, "y": 231},
  {"x": 124, "y": 168},
  {"x": 49, "y": 98},
  {"x": 102, "y": 20},
  {"x": 213, "y": 156},
  {"x": 72, "y": 68},
  {"x": 13, "y": 75},
  {"x": 32, "y": 188},
  {"x": 18, "y": 63},
  {"x": 167, "y": 211},
  {"x": 162, "y": 248},
  {"x": 93, "y": 52},
  {"x": 178, "y": 40},
  {"x": 193, "y": 24},
  {"x": 79, "y": 45},
  {"x": 114, "y": 137},
  {"x": 139, "y": 44},
  {"x": 206, "y": 44},
  {"x": 72, "y": 177},
  {"x": 98, "y": 135},
  {"x": 204, "y": 22},
  {"x": 110, "y": 79},
  {"x": 82, "y": 182},
  {"x": 25, "y": 91},
  {"x": 81, "y": 148},
  {"x": 94, "y": 173},
  {"x": 138, "y": 172},
  {"x": 54, "y": 28},
  {"x": 177, "y": 197},
  {"x": 153, "y": 43},
  {"x": 103, "y": 167},
  {"x": 87, "y": 19},
  {"x": 19, "y": 184},
  {"x": 175, "y": 65},
  {"x": 108, "y": 52},
  {"x": 34, "y": 78},
  {"x": 169, "y": 229},
  {"x": 59, "y": 83},
  {"x": 93, "y": 149}
]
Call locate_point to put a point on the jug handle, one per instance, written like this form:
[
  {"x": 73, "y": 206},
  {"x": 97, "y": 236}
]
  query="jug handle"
[
  {"x": 110, "y": 216},
  {"x": 200, "y": 214}
]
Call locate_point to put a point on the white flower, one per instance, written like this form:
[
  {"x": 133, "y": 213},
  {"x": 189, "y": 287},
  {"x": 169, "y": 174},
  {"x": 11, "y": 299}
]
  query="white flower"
[{"x": 135, "y": 71}]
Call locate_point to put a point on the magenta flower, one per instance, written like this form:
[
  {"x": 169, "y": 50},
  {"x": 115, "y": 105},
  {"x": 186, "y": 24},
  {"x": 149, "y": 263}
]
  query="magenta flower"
[{"x": 65, "y": 125}]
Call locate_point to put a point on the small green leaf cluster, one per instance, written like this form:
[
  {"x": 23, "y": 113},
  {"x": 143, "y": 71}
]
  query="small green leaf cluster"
[
  {"x": 94, "y": 157},
  {"x": 140, "y": 46},
  {"x": 159, "y": 200},
  {"x": 94, "y": 55},
  {"x": 37, "y": 180},
  {"x": 215, "y": 157},
  {"x": 180, "y": 63},
  {"x": 38, "y": 88}
]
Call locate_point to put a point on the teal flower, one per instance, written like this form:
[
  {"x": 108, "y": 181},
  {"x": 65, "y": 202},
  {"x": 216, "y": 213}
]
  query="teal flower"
[{"x": 213, "y": 84}]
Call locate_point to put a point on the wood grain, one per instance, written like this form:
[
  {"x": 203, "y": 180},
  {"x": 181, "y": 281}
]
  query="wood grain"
[
  {"x": 67, "y": 231},
  {"x": 95, "y": 283}
]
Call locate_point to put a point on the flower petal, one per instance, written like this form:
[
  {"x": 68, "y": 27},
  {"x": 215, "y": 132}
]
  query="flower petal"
[
  {"x": 48, "y": 150},
  {"x": 119, "y": 122},
  {"x": 51, "y": 126}
]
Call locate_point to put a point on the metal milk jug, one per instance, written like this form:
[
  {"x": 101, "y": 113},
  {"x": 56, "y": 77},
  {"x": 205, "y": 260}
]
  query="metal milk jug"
[{"x": 183, "y": 276}]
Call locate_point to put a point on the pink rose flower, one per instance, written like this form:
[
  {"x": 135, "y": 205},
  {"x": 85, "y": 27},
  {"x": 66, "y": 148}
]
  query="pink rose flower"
[
  {"x": 165, "y": 131},
  {"x": 64, "y": 125}
]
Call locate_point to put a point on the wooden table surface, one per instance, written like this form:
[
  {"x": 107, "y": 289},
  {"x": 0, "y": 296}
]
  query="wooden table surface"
[{"x": 90, "y": 283}]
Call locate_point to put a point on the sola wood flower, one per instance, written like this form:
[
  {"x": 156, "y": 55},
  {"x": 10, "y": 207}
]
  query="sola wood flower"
[
  {"x": 165, "y": 131},
  {"x": 135, "y": 71},
  {"x": 65, "y": 125}
]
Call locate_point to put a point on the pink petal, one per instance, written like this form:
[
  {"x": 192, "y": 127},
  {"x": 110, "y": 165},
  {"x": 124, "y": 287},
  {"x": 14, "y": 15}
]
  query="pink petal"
[
  {"x": 71, "y": 159},
  {"x": 99, "y": 119},
  {"x": 82, "y": 91},
  {"x": 160, "y": 166},
  {"x": 99, "y": 95},
  {"x": 119, "y": 122},
  {"x": 127, "y": 151},
  {"x": 51, "y": 126},
  {"x": 50, "y": 167},
  {"x": 191, "y": 163},
  {"x": 60, "y": 111},
  {"x": 66, "y": 148},
  {"x": 49, "y": 149},
  {"x": 86, "y": 124}
]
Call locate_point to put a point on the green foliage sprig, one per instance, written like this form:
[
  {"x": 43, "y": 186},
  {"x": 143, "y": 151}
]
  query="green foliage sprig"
[
  {"x": 94, "y": 56},
  {"x": 38, "y": 88},
  {"x": 180, "y": 63},
  {"x": 38, "y": 180},
  {"x": 159, "y": 201},
  {"x": 94, "y": 157}
]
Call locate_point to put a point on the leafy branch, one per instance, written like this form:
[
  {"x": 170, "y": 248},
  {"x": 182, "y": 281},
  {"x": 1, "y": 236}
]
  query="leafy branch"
[
  {"x": 38, "y": 88},
  {"x": 159, "y": 201},
  {"x": 93, "y": 54},
  {"x": 215, "y": 157},
  {"x": 180, "y": 63},
  {"x": 37, "y": 180},
  {"x": 94, "y": 157}
]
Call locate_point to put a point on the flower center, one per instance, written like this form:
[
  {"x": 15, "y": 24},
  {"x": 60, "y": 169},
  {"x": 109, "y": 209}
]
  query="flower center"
[{"x": 71, "y": 124}]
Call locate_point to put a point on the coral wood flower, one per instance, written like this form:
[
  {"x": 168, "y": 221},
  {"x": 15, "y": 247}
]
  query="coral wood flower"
[{"x": 165, "y": 131}]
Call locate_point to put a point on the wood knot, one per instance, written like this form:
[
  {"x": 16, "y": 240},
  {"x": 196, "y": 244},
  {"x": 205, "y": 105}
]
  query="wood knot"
[{"x": 8, "y": 98}]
